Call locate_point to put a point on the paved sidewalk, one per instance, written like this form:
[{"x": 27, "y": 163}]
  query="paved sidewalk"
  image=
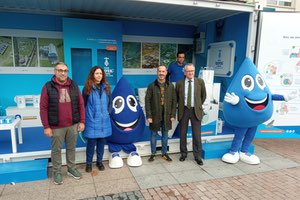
[{"x": 277, "y": 177}]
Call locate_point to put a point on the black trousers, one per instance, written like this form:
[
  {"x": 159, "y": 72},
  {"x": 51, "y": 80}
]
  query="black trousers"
[{"x": 189, "y": 114}]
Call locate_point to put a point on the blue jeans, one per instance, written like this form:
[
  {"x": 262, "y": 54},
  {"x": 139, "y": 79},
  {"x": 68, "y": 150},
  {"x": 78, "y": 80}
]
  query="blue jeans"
[
  {"x": 164, "y": 141},
  {"x": 90, "y": 148}
]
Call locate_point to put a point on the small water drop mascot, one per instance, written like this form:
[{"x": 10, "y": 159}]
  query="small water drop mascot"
[
  {"x": 248, "y": 102},
  {"x": 128, "y": 123}
]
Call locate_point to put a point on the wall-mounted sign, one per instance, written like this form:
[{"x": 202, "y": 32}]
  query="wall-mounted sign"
[{"x": 220, "y": 58}]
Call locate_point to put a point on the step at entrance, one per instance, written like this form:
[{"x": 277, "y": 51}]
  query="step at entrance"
[
  {"x": 24, "y": 171},
  {"x": 218, "y": 149}
]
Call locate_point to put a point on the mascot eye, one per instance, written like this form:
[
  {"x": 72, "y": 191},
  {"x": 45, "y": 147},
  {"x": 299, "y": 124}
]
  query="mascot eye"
[
  {"x": 247, "y": 83},
  {"x": 118, "y": 104},
  {"x": 260, "y": 81},
  {"x": 132, "y": 103}
]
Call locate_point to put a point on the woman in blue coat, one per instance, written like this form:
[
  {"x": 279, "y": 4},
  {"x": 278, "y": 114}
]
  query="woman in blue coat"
[{"x": 97, "y": 99}]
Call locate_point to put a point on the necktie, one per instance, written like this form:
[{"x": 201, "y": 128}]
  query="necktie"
[{"x": 189, "y": 97}]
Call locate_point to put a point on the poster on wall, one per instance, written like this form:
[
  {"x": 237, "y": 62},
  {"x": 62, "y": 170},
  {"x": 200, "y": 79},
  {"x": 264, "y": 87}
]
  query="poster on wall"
[
  {"x": 29, "y": 52},
  {"x": 167, "y": 53},
  {"x": 279, "y": 63},
  {"x": 150, "y": 55},
  {"x": 142, "y": 55},
  {"x": 131, "y": 55}
]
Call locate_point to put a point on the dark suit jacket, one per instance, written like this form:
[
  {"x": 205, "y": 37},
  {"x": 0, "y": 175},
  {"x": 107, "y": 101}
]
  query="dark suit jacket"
[{"x": 199, "y": 97}]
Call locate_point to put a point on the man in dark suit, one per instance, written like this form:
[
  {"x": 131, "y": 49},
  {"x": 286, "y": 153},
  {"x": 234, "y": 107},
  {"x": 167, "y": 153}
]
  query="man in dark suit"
[{"x": 191, "y": 95}]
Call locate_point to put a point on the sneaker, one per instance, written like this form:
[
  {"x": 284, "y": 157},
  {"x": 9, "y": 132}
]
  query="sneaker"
[
  {"x": 152, "y": 158},
  {"x": 88, "y": 168},
  {"x": 249, "y": 158},
  {"x": 166, "y": 157},
  {"x": 57, "y": 178},
  {"x": 100, "y": 166},
  {"x": 74, "y": 173}
]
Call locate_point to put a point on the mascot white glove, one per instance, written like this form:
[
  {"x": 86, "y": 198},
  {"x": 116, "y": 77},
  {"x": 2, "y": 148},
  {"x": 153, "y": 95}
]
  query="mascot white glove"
[
  {"x": 231, "y": 98},
  {"x": 290, "y": 96}
]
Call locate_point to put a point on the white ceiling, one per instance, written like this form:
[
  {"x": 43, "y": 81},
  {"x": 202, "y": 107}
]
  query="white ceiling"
[{"x": 189, "y": 12}]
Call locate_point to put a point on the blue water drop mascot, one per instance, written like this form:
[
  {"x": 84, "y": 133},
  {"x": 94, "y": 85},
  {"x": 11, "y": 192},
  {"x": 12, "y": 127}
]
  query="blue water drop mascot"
[
  {"x": 248, "y": 102},
  {"x": 128, "y": 123}
]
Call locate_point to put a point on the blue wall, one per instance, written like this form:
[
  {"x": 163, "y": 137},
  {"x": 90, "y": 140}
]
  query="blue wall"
[
  {"x": 156, "y": 30},
  {"x": 87, "y": 37},
  {"x": 30, "y": 22},
  {"x": 21, "y": 84},
  {"x": 235, "y": 28}
]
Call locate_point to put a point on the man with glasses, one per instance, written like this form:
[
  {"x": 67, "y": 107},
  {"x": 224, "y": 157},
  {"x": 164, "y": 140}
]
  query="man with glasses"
[
  {"x": 63, "y": 115},
  {"x": 191, "y": 94},
  {"x": 175, "y": 70}
]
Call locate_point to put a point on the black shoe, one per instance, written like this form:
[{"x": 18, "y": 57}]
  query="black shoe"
[
  {"x": 199, "y": 161},
  {"x": 88, "y": 168},
  {"x": 152, "y": 158},
  {"x": 182, "y": 158},
  {"x": 100, "y": 166},
  {"x": 166, "y": 157}
]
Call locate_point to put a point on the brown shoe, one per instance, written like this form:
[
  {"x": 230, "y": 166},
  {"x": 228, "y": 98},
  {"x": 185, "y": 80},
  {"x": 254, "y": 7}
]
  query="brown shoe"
[{"x": 166, "y": 157}]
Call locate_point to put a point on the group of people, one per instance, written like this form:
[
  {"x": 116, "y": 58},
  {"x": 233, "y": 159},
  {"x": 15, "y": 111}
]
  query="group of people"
[
  {"x": 65, "y": 111},
  {"x": 162, "y": 99}
]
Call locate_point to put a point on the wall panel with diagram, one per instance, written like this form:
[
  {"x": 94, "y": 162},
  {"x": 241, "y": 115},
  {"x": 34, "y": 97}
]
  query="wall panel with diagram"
[{"x": 278, "y": 60}]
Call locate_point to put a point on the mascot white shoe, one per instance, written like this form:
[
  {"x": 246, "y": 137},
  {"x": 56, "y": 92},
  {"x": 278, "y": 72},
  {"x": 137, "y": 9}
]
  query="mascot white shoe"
[
  {"x": 134, "y": 159},
  {"x": 128, "y": 124},
  {"x": 248, "y": 94},
  {"x": 115, "y": 161},
  {"x": 249, "y": 158},
  {"x": 232, "y": 157}
]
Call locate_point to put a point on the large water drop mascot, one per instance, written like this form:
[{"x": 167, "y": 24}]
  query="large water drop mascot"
[
  {"x": 128, "y": 123},
  {"x": 248, "y": 102}
]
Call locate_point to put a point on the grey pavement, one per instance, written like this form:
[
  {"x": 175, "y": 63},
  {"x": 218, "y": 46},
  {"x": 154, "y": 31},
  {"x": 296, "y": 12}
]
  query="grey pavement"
[{"x": 276, "y": 177}]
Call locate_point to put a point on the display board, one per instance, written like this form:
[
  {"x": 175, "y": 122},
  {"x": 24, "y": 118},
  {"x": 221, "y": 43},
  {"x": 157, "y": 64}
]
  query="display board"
[
  {"x": 220, "y": 57},
  {"x": 143, "y": 54},
  {"x": 278, "y": 61},
  {"x": 30, "y": 51}
]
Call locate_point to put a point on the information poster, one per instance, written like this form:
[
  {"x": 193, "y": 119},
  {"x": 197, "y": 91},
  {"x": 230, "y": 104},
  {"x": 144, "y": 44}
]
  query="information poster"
[
  {"x": 142, "y": 54},
  {"x": 279, "y": 63},
  {"x": 29, "y": 52}
]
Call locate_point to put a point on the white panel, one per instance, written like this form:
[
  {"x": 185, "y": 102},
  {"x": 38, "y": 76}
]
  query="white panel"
[
  {"x": 279, "y": 64},
  {"x": 220, "y": 57}
]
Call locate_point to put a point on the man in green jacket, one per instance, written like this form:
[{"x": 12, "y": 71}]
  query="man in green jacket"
[
  {"x": 191, "y": 94},
  {"x": 160, "y": 104}
]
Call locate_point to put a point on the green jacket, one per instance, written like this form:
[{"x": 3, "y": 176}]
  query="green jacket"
[
  {"x": 199, "y": 97},
  {"x": 153, "y": 107}
]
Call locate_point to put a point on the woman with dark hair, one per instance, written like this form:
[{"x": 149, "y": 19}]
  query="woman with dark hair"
[{"x": 97, "y": 99}]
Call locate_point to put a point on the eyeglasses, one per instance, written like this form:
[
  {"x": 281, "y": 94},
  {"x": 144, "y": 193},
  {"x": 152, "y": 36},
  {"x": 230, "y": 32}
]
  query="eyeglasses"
[{"x": 62, "y": 71}]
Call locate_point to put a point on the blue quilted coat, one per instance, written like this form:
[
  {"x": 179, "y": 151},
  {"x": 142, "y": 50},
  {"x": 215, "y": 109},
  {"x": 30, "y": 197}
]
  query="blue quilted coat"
[{"x": 97, "y": 123}]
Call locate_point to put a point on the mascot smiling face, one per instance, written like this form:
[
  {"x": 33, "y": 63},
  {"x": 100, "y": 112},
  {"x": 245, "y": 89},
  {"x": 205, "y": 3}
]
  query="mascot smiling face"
[
  {"x": 127, "y": 117},
  {"x": 255, "y": 105},
  {"x": 248, "y": 102}
]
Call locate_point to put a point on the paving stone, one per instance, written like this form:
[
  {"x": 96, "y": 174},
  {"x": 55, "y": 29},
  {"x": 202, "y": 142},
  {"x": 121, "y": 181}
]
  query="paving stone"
[{"x": 276, "y": 177}]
